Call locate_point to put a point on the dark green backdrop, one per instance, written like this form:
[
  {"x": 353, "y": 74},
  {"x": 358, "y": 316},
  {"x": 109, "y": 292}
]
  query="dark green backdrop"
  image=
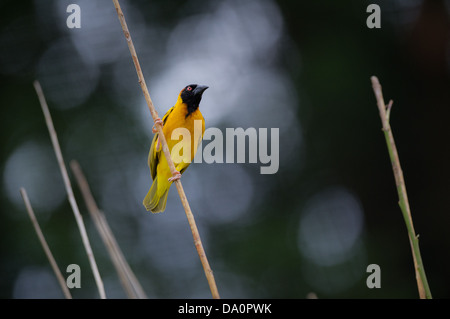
[{"x": 301, "y": 66}]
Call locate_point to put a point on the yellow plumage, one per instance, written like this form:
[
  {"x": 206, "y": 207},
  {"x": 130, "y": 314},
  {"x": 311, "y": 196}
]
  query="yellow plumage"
[{"x": 183, "y": 114}]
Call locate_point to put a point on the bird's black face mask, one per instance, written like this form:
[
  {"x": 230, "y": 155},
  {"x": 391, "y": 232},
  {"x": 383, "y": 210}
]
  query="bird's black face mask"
[{"x": 192, "y": 95}]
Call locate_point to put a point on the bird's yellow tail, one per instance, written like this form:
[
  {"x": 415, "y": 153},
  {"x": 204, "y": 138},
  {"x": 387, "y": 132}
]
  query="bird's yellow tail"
[{"x": 155, "y": 201}]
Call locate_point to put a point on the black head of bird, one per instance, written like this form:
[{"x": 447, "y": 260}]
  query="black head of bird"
[{"x": 192, "y": 95}]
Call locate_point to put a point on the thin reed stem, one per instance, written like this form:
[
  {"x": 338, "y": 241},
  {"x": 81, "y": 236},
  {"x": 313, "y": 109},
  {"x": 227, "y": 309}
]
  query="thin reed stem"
[
  {"x": 72, "y": 201},
  {"x": 165, "y": 148},
  {"x": 129, "y": 281},
  {"x": 44, "y": 244},
  {"x": 421, "y": 278}
]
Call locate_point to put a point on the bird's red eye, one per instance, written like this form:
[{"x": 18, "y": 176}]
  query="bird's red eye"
[{"x": 189, "y": 88}]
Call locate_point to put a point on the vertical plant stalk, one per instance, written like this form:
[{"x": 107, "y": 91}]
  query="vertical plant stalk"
[
  {"x": 73, "y": 203},
  {"x": 129, "y": 281},
  {"x": 44, "y": 244},
  {"x": 197, "y": 241},
  {"x": 421, "y": 278}
]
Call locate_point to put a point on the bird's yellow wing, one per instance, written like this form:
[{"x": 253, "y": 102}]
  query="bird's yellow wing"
[{"x": 154, "y": 154}]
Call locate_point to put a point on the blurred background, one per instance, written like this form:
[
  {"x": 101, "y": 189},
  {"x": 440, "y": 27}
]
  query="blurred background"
[{"x": 301, "y": 66}]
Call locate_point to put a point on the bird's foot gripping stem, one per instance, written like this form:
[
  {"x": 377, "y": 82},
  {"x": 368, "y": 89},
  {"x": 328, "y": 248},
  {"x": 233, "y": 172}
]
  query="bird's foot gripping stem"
[
  {"x": 157, "y": 121},
  {"x": 176, "y": 176}
]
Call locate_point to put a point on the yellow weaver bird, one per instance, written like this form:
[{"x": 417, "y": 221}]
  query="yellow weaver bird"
[{"x": 183, "y": 114}]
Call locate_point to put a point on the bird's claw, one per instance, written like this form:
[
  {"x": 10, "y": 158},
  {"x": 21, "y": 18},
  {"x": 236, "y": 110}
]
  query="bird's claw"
[
  {"x": 157, "y": 121},
  {"x": 176, "y": 176}
]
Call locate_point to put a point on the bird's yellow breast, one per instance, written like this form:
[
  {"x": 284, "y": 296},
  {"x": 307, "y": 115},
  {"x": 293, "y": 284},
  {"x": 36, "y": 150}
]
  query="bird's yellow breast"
[{"x": 194, "y": 123}]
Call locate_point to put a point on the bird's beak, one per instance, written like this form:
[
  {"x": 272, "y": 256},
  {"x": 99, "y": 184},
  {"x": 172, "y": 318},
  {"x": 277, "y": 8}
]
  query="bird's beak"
[{"x": 198, "y": 91}]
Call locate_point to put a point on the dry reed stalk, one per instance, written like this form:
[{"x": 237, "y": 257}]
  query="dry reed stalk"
[
  {"x": 72, "y": 201},
  {"x": 129, "y": 281},
  {"x": 44, "y": 244}
]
